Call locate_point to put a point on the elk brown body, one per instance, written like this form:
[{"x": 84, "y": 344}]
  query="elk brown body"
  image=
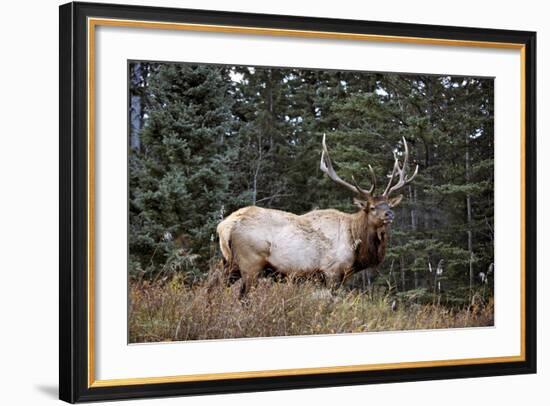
[{"x": 327, "y": 242}]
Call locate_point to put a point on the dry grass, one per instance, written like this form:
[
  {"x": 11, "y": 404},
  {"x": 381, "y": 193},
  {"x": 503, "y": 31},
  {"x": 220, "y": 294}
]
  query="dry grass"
[{"x": 174, "y": 311}]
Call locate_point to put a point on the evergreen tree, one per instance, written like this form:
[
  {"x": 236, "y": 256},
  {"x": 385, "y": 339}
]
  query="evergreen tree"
[{"x": 179, "y": 179}]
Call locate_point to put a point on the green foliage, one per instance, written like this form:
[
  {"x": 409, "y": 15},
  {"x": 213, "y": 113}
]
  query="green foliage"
[
  {"x": 179, "y": 178},
  {"x": 215, "y": 139}
]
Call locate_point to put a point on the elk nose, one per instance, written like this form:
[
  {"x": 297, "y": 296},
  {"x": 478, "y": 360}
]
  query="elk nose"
[{"x": 389, "y": 215}]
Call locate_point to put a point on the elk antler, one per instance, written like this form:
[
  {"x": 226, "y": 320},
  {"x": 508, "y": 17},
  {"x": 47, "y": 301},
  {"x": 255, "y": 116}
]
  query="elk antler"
[
  {"x": 400, "y": 170},
  {"x": 326, "y": 167}
]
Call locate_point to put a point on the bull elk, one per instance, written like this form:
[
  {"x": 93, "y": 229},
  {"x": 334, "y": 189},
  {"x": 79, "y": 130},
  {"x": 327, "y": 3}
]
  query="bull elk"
[{"x": 326, "y": 242}]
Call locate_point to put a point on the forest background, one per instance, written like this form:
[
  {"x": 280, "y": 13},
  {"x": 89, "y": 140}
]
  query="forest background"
[{"x": 205, "y": 140}]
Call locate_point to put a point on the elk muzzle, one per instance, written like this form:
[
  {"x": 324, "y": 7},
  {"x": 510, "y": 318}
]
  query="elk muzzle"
[{"x": 388, "y": 216}]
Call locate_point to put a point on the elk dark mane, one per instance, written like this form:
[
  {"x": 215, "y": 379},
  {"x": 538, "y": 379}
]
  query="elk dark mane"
[{"x": 370, "y": 241}]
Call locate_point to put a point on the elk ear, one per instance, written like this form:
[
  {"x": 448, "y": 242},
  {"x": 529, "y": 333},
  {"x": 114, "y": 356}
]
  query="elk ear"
[
  {"x": 394, "y": 201},
  {"x": 362, "y": 204}
]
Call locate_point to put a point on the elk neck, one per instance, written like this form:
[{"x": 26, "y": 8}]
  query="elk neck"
[{"x": 370, "y": 241}]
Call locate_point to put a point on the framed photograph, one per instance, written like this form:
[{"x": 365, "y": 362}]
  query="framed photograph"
[{"x": 256, "y": 202}]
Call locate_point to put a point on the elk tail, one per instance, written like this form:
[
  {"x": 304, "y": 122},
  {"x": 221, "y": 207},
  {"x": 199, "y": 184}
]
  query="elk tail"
[
  {"x": 224, "y": 234},
  {"x": 231, "y": 271}
]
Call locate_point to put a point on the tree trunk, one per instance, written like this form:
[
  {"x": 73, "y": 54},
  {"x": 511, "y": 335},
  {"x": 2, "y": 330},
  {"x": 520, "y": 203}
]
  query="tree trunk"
[
  {"x": 402, "y": 266},
  {"x": 392, "y": 276},
  {"x": 136, "y": 107},
  {"x": 414, "y": 222},
  {"x": 469, "y": 216},
  {"x": 257, "y": 171},
  {"x": 412, "y": 197}
]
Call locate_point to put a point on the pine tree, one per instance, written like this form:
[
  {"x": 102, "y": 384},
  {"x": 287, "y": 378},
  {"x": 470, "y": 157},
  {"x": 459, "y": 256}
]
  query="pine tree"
[{"x": 179, "y": 180}]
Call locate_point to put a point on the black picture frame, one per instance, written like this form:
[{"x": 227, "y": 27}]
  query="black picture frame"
[{"x": 74, "y": 199}]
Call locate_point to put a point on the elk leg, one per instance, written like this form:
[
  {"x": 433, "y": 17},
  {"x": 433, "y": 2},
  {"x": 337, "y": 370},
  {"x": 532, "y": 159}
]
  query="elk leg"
[
  {"x": 250, "y": 271},
  {"x": 334, "y": 280},
  {"x": 231, "y": 273},
  {"x": 245, "y": 287}
]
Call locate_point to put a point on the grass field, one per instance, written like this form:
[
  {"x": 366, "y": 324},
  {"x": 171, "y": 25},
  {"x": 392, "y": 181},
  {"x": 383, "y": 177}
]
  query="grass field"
[{"x": 174, "y": 311}]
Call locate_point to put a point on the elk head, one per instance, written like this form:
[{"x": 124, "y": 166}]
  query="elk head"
[{"x": 377, "y": 207}]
